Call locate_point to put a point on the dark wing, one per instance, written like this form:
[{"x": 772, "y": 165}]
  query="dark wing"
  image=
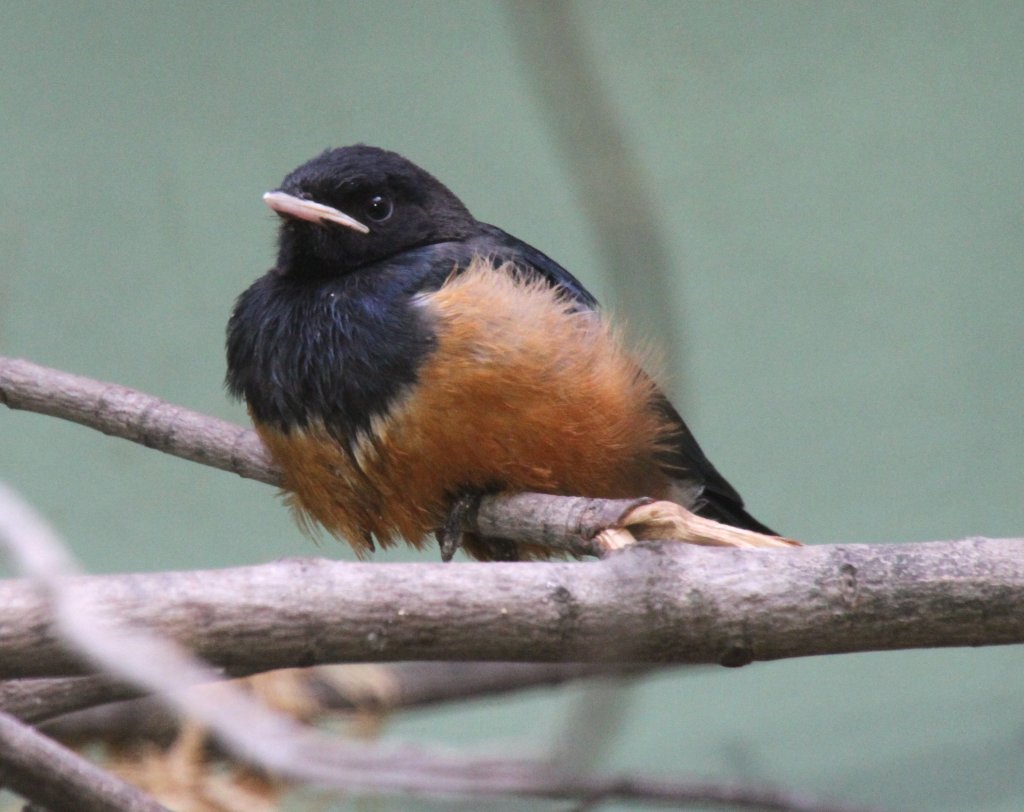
[
  {"x": 705, "y": 491},
  {"x": 496, "y": 244},
  {"x": 708, "y": 492}
]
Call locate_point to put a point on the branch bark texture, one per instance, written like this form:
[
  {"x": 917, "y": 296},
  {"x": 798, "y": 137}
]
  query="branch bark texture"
[
  {"x": 49, "y": 774},
  {"x": 132, "y": 415},
  {"x": 667, "y": 603}
]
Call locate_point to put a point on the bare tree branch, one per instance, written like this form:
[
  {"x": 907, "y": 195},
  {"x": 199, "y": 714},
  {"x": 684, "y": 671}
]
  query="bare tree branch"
[
  {"x": 122, "y": 412},
  {"x": 50, "y": 775},
  {"x": 394, "y": 687},
  {"x": 269, "y": 739},
  {"x": 596, "y": 148},
  {"x": 36, "y": 700},
  {"x": 576, "y": 525},
  {"x": 71, "y": 702},
  {"x": 134, "y": 654},
  {"x": 47, "y": 773},
  {"x": 654, "y": 603},
  {"x": 667, "y": 603},
  {"x": 426, "y": 682}
]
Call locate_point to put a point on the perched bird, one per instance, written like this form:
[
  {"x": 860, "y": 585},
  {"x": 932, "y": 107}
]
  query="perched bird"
[{"x": 402, "y": 356}]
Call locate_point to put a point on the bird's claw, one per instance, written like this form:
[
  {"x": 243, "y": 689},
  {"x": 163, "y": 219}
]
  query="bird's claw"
[{"x": 449, "y": 535}]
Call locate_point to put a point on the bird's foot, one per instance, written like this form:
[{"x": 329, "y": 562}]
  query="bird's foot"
[
  {"x": 462, "y": 512},
  {"x": 671, "y": 522}
]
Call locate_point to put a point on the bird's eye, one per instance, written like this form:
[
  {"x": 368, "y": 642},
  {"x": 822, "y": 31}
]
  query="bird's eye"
[{"x": 379, "y": 208}]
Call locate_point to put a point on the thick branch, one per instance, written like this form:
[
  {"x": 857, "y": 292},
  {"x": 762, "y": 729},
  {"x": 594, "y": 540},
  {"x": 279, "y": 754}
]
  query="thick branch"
[
  {"x": 657, "y": 603},
  {"x": 250, "y": 730},
  {"x": 255, "y": 732}
]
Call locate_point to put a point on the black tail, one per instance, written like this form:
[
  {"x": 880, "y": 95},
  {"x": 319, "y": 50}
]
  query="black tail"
[
  {"x": 727, "y": 511},
  {"x": 708, "y": 492}
]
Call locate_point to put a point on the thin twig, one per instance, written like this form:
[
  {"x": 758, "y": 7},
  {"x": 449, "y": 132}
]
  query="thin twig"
[
  {"x": 54, "y": 777},
  {"x": 393, "y": 687},
  {"x": 569, "y": 524},
  {"x": 71, "y": 702},
  {"x": 36, "y": 700},
  {"x": 122, "y": 412},
  {"x": 131, "y": 415},
  {"x": 595, "y": 147}
]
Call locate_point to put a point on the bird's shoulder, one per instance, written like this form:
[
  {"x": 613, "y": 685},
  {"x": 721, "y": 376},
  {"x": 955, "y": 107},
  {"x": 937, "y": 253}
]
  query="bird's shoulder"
[{"x": 501, "y": 247}]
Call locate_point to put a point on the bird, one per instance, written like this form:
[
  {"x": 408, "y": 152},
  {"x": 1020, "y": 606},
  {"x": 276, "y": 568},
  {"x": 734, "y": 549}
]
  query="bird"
[{"x": 402, "y": 359}]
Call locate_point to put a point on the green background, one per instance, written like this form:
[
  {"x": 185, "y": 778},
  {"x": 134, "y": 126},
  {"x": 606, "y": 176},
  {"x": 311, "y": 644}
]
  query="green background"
[{"x": 839, "y": 191}]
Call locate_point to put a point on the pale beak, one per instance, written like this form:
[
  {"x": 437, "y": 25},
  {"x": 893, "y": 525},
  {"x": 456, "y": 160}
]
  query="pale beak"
[{"x": 291, "y": 206}]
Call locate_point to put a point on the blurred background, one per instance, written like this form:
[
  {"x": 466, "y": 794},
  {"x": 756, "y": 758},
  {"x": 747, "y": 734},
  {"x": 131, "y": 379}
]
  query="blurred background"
[{"x": 814, "y": 209}]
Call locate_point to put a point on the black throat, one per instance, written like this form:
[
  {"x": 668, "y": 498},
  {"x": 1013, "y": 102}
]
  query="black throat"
[{"x": 334, "y": 350}]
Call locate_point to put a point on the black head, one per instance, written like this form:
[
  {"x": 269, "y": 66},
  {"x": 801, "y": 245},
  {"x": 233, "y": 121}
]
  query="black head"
[{"x": 355, "y": 205}]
